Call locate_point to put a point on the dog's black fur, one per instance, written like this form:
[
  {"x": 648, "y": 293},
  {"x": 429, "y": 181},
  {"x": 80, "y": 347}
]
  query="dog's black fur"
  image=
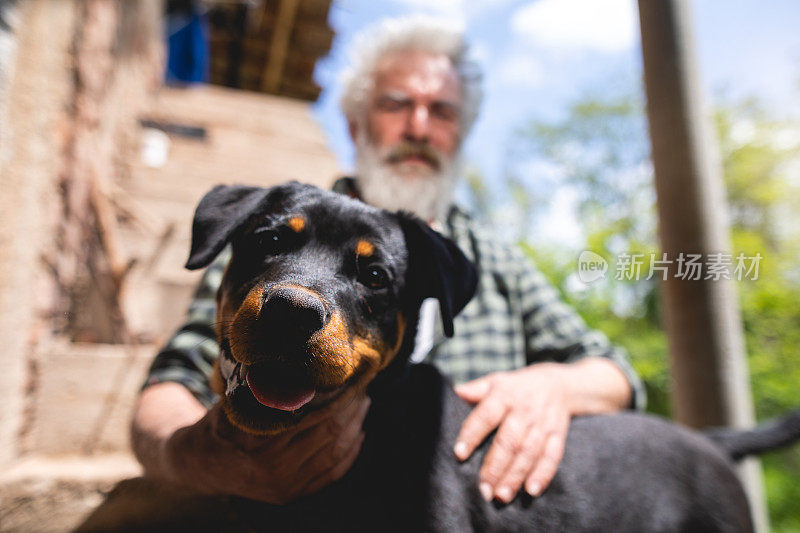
[{"x": 627, "y": 472}]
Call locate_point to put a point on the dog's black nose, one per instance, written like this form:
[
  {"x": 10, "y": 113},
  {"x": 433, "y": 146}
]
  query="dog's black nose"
[{"x": 293, "y": 314}]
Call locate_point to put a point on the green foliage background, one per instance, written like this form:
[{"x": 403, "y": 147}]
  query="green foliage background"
[{"x": 600, "y": 150}]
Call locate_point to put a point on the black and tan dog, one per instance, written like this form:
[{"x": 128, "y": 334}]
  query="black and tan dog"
[
  {"x": 322, "y": 294},
  {"x": 316, "y": 297}
]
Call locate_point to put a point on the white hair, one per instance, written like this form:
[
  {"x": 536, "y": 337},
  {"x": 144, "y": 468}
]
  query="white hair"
[{"x": 413, "y": 33}]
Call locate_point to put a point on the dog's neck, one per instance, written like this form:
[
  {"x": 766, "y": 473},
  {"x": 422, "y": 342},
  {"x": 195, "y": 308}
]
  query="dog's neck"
[{"x": 397, "y": 370}]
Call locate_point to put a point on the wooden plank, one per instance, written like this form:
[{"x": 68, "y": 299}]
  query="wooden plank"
[
  {"x": 279, "y": 45},
  {"x": 284, "y": 40},
  {"x": 703, "y": 322},
  {"x": 316, "y": 9},
  {"x": 312, "y": 38}
]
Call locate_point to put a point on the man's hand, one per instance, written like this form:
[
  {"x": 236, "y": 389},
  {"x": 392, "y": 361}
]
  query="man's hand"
[
  {"x": 212, "y": 457},
  {"x": 531, "y": 410},
  {"x": 528, "y": 407}
]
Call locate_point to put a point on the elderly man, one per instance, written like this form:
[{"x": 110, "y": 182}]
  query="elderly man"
[{"x": 525, "y": 360}]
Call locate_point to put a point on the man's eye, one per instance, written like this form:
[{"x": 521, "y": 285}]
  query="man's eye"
[
  {"x": 374, "y": 277},
  {"x": 391, "y": 104},
  {"x": 444, "y": 111}
]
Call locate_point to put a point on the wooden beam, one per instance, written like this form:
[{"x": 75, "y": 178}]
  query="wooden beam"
[
  {"x": 703, "y": 323},
  {"x": 279, "y": 45}
]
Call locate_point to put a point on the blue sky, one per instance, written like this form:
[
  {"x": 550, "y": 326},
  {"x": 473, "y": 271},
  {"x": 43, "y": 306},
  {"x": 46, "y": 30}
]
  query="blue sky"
[{"x": 538, "y": 56}]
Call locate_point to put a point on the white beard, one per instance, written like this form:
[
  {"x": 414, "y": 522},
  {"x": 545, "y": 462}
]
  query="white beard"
[{"x": 428, "y": 196}]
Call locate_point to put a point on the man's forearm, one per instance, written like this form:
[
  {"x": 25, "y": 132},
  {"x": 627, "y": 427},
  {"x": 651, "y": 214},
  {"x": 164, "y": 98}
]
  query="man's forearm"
[
  {"x": 176, "y": 439},
  {"x": 595, "y": 385},
  {"x": 161, "y": 410}
]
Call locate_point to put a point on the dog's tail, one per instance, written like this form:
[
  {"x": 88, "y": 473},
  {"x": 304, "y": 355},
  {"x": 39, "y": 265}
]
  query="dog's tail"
[{"x": 770, "y": 435}]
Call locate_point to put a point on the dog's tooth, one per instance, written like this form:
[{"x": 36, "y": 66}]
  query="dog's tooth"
[
  {"x": 233, "y": 384},
  {"x": 243, "y": 371},
  {"x": 227, "y": 367}
]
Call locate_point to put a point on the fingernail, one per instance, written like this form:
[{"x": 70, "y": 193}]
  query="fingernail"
[
  {"x": 504, "y": 494},
  {"x": 533, "y": 489},
  {"x": 486, "y": 491},
  {"x": 460, "y": 449}
]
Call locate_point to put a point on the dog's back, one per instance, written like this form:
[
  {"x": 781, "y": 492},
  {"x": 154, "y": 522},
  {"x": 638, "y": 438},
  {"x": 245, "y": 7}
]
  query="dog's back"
[{"x": 626, "y": 472}]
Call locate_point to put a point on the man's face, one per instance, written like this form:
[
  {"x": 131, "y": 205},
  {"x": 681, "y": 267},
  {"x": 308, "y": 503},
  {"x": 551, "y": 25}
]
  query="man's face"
[{"x": 414, "y": 115}]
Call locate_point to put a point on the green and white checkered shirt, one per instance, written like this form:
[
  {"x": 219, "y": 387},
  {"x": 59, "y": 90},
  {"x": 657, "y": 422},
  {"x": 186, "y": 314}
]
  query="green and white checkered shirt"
[{"x": 515, "y": 319}]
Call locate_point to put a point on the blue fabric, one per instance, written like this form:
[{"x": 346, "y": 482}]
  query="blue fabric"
[{"x": 188, "y": 50}]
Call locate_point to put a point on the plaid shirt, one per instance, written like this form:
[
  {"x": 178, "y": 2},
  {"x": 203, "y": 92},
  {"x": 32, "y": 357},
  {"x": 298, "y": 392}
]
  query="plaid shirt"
[{"x": 516, "y": 318}]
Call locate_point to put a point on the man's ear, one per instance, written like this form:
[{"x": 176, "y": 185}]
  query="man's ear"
[
  {"x": 220, "y": 213},
  {"x": 437, "y": 268}
]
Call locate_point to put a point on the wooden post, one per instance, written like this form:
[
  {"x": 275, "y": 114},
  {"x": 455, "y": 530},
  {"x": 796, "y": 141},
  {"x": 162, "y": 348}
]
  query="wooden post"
[
  {"x": 702, "y": 318},
  {"x": 34, "y": 91},
  {"x": 279, "y": 46}
]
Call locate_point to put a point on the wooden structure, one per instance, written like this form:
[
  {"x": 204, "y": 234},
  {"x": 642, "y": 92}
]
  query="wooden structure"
[
  {"x": 270, "y": 46},
  {"x": 94, "y": 235},
  {"x": 702, "y": 319}
]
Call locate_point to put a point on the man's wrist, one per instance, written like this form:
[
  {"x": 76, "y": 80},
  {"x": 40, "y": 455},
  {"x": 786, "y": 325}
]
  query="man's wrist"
[
  {"x": 156, "y": 430},
  {"x": 591, "y": 386}
]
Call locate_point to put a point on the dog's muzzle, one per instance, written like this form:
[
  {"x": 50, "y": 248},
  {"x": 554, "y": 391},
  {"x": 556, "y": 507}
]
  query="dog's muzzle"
[{"x": 269, "y": 347}]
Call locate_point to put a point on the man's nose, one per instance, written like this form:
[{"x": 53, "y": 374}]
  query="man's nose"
[{"x": 418, "y": 126}]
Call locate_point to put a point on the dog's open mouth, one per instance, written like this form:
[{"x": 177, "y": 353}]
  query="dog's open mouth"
[
  {"x": 289, "y": 380},
  {"x": 269, "y": 396},
  {"x": 285, "y": 391}
]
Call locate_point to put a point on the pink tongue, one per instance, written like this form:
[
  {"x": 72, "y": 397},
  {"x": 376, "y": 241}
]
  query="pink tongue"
[{"x": 288, "y": 399}]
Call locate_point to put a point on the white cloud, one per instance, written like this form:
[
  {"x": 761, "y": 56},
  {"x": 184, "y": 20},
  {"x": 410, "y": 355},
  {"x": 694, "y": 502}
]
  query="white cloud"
[
  {"x": 476, "y": 10},
  {"x": 460, "y": 10},
  {"x": 561, "y": 224},
  {"x": 445, "y": 8},
  {"x": 444, "y": 5},
  {"x": 604, "y": 25},
  {"x": 521, "y": 71}
]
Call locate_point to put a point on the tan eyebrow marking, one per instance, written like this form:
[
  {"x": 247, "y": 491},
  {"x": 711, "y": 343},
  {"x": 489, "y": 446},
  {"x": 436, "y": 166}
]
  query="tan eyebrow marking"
[
  {"x": 297, "y": 224},
  {"x": 364, "y": 248}
]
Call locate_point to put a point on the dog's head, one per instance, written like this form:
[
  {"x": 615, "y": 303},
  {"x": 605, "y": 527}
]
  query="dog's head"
[{"x": 317, "y": 295}]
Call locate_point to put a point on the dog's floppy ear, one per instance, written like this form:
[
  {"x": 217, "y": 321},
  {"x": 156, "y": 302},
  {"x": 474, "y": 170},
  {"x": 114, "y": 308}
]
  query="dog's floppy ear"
[
  {"x": 220, "y": 213},
  {"x": 438, "y": 269}
]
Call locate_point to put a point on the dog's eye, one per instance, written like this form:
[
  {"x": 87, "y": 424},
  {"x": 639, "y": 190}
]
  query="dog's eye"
[
  {"x": 374, "y": 277},
  {"x": 268, "y": 240}
]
